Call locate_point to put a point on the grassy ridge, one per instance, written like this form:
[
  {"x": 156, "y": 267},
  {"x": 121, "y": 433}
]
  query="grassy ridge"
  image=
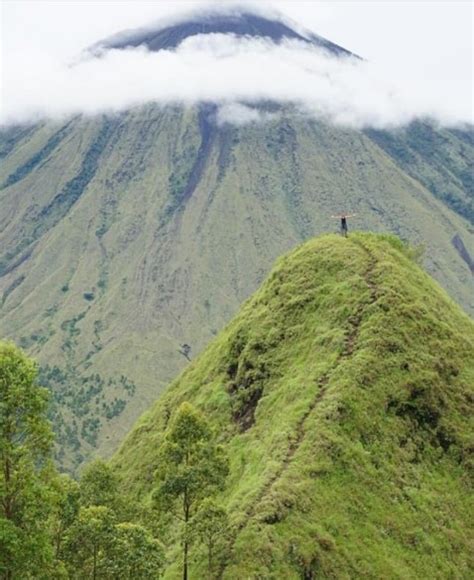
[{"x": 342, "y": 392}]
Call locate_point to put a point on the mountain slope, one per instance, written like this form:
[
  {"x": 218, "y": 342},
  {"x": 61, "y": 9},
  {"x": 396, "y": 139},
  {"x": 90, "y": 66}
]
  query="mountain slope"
[
  {"x": 342, "y": 392},
  {"x": 426, "y": 154},
  {"x": 125, "y": 238}
]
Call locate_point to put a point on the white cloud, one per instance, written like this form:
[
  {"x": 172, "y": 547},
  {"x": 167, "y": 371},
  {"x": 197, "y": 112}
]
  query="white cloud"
[
  {"x": 240, "y": 114},
  {"x": 233, "y": 72}
]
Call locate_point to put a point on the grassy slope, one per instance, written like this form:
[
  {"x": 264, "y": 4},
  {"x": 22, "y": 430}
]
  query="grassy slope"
[
  {"x": 357, "y": 464},
  {"x": 130, "y": 262}
]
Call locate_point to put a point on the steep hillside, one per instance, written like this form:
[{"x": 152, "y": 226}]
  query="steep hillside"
[
  {"x": 427, "y": 154},
  {"x": 127, "y": 242},
  {"x": 342, "y": 392}
]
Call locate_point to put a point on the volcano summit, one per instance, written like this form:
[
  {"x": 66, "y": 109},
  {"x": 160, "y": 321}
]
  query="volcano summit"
[{"x": 239, "y": 24}]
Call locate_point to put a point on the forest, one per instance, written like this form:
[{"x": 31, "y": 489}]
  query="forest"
[{"x": 52, "y": 526}]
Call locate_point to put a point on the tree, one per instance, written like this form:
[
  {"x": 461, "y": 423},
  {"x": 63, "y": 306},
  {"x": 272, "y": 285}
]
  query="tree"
[
  {"x": 25, "y": 445},
  {"x": 98, "y": 485},
  {"x": 134, "y": 553},
  {"x": 65, "y": 510},
  {"x": 87, "y": 542},
  {"x": 191, "y": 467},
  {"x": 97, "y": 547},
  {"x": 210, "y": 526}
]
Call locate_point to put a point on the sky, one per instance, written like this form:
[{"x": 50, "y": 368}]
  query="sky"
[{"x": 419, "y": 61}]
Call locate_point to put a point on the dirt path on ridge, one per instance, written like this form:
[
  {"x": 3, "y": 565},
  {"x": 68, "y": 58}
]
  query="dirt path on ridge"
[{"x": 350, "y": 342}]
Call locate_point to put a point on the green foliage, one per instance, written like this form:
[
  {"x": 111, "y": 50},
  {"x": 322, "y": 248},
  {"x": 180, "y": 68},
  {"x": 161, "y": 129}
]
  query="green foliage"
[
  {"x": 191, "y": 467},
  {"x": 99, "y": 541},
  {"x": 98, "y": 485},
  {"x": 115, "y": 408},
  {"x": 356, "y": 463},
  {"x": 99, "y": 547},
  {"x": 51, "y": 526},
  {"x": 65, "y": 509},
  {"x": 133, "y": 553},
  {"x": 79, "y": 408},
  {"x": 210, "y": 527},
  {"x": 25, "y": 443},
  {"x": 87, "y": 542}
]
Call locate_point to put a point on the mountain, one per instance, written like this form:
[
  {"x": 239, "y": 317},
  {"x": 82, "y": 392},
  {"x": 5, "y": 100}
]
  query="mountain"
[
  {"x": 128, "y": 241},
  {"x": 238, "y": 23},
  {"x": 342, "y": 393},
  {"x": 125, "y": 238}
]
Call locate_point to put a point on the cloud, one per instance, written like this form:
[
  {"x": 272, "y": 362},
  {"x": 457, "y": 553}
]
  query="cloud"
[
  {"x": 240, "y": 114},
  {"x": 231, "y": 71}
]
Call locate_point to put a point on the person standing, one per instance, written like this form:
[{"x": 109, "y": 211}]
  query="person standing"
[{"x": 343, "y": 217}]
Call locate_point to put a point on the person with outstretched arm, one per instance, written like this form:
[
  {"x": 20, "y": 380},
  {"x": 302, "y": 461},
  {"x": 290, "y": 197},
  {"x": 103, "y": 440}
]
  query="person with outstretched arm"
[{"x": 343, "y": 217}]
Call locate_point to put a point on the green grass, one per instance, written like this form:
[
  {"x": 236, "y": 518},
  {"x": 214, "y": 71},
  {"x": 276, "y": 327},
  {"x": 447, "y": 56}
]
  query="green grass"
[{"x": 356, "y": 463}]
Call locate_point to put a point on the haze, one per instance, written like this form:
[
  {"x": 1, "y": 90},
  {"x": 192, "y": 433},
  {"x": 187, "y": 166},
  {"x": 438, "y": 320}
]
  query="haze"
[{"x": 419, "y": 62}]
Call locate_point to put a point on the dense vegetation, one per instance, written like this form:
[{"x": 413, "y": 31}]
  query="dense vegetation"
[
  {"x": 123, "y": 238},
  {"x": 341, "y": 394},
  {"x": 53, "y": 527}
]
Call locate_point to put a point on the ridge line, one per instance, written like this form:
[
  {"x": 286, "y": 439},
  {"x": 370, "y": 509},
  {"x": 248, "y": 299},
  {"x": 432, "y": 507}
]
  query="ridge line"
[{"x": 349, "y": 346}]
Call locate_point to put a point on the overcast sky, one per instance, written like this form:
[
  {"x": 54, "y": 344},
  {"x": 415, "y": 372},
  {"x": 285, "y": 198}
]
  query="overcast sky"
[{"x": 425, "y": 43}]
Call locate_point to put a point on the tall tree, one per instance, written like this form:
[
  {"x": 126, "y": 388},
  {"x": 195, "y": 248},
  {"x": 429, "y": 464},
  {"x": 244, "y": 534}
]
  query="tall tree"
[
  {"x": 210, "y": 526},
  {"x": 88, "y": 541},
  {"x": 98, "y": 485},
  {"x": 134, "y": 553},
  {"x": 65, "y": 510},
  {"x": 191, "y": 467},
  {"x": 25, "y": 445}
]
